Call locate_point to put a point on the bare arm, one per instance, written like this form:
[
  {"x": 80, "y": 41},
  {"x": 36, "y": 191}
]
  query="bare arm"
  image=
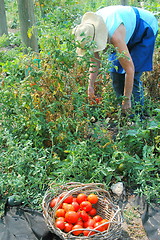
[
  {"x": 94, "y": 67},
  {"x": 118, "y": 40}
]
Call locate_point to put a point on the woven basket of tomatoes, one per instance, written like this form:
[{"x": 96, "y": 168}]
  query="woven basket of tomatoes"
[{"x": 81, "y": 211}]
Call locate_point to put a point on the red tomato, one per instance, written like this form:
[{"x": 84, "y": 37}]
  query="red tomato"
[
  {"x": 89, "y": 223},
  {"x": 32, "y": 84},
  {"x": 60, "y": 219},
  {"x": 80, "y": 222},
  {"x": 84, "y": 215},
  {"x": 76, "y": 227},
  {"x": 67, "y": 207},
  {"x": 60, "y": 206},
  {"x": 60, "y": 224},
  {"x": 81, "y": 197},
  {"x": 76, "y": 206},
  {"x": 97, "y": 100},
  {"x": 79, "y": 214},
  {"x": 74, "y": 199},
  {"x": 98, "y": 227},
  {"x": 87, "y": 232},
  {"x": 68, "y": 227},
  {"x": 86, "y": 206},
  {"x": 97, "y": 218},
  {"x": 53, "y": 202},
  {"x": 92, "y": 198},
  {"x": 92, "y": 212},
  {"x": 60, "y": 212},
  {"x": 64, "y": 206},
  {"x": 106, "y": 225},
  {"x": 68, "y": 199},
  {"x": 71, "y": 217}
]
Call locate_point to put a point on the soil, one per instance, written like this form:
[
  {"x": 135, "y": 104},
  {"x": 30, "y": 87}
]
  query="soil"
[{"x": 132, "y": 227}]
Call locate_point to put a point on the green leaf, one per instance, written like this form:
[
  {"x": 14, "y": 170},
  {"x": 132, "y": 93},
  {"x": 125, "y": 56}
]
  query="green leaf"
[
  {"x": 157, "y": 110},
  {"x": 132, "y": 132},
  {"x": 154, "y": 125}
]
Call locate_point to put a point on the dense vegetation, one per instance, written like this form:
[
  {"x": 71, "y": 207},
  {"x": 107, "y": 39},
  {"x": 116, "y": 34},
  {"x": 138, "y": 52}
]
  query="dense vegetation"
[{"x": 50, "y": 132}]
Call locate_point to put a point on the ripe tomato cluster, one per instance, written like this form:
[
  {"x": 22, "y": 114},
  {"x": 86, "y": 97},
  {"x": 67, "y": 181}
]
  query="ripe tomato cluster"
[
  {"x": 79, "y": 214},
  {"x": 96, "y": 100}
]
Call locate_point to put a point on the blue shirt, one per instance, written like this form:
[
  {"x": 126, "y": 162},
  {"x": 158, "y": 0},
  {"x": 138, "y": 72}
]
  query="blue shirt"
[
  {"x": 141, "y": 30},
  {"x": 113, "y": 16}
]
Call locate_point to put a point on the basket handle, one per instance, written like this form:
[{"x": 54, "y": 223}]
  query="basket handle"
[
  {"x": 83, "y": 229},
  {"x": 78, "y": 184},
  {"x": 87, "y": 185}
]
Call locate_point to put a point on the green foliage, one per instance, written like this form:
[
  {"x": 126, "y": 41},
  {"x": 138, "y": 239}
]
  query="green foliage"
[
  {"x": 134, "y": 139},
  {"x": 3, "y": 41},
  {"x": 51, "y": 132},
  {"x": 25, "y": 170}
]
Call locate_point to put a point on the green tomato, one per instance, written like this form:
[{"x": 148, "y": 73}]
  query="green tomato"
[{"x": 121, "y": 167}]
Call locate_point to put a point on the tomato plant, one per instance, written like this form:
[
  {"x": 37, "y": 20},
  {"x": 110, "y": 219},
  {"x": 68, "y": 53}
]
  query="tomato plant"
[{"x": 45, "y": 111}]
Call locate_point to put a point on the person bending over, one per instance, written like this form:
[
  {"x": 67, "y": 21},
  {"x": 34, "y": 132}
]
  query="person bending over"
[{"x": 132, "y": 31}]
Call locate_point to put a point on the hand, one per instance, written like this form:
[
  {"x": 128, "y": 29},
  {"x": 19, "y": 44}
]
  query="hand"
[
  {"x": 91, "y": 94},
  {"x": 126, "y": 105}
]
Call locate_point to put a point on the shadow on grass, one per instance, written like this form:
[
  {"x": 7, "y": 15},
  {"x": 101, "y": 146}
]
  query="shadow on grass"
[{"x": 125, "y": 236}]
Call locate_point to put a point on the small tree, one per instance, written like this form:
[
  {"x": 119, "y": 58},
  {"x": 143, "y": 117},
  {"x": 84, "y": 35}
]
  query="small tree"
[
  {"x": 27, "y": 24},
  {"x": 3, "y": 20}
]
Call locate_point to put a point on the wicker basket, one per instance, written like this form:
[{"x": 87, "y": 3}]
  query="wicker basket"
[{"x": 105, "y": 208}]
